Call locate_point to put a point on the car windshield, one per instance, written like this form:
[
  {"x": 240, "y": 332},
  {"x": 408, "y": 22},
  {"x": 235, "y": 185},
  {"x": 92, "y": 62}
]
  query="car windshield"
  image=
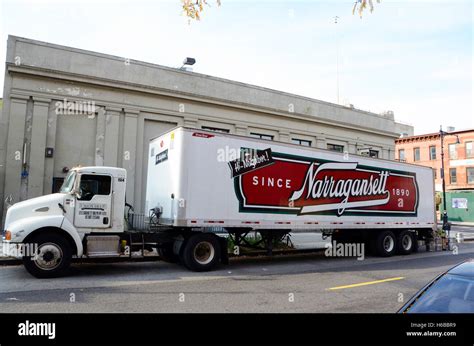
[
  {"x": 68, "y": 182},
  {"x": 451, "y": 293}
]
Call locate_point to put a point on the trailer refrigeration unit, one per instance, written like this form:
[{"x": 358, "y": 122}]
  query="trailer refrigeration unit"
[{"x": 199, "y": 181}]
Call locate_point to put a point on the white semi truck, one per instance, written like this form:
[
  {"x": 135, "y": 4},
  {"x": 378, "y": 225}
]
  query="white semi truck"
[{"x": 200, "y": 180}]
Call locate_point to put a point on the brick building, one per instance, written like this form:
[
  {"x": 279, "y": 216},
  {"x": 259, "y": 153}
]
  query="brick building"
[{"x": 458, "y": 158}]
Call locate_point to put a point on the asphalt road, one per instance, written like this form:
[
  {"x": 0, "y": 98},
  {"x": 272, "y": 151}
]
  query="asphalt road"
[{"x": 303, "y": 283}]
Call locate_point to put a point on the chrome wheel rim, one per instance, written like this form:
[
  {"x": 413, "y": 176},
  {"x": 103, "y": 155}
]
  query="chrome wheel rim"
[
  {"x": 388, "y": 243},
  {"x": 204, "y": 252},
  {"x": 407, "y": 242},
  {"x": 48, "y": 256}
]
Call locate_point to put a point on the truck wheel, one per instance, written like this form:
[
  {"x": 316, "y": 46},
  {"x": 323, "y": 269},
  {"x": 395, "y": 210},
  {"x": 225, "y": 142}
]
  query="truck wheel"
[
  {"x": 385, "y": 244},
  {"x": 406, "y": 243},
  {"x": 52, "y": 258},
  {"x": 166, "y": 253},
  {"x": 201, "y": 252}
]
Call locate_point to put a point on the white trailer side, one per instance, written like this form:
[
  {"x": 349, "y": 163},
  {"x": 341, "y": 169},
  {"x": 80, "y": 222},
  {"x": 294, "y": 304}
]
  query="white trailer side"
[{"x": 189, "y": 176}]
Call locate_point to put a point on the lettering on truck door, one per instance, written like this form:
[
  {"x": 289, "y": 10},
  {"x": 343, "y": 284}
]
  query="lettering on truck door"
[{"x": 93, "y": 204}]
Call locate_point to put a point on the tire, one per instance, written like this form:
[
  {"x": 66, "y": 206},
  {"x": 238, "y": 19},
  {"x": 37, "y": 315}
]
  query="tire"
[
  {"x": 166, "y": 253},
  {"x": 405, "y": 243},
  {"x": 201, "y": 252},
  {"x": 385, "y": 244},
  {"x": 49, "y": 245}
]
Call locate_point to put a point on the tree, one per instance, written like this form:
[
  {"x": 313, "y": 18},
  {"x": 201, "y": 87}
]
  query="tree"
[
  {"x": 361, "y": 5},
  {"x": 194, "y": 8}
]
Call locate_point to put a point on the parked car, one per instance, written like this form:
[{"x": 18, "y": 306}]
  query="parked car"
[{"x": 450, "y": 292}]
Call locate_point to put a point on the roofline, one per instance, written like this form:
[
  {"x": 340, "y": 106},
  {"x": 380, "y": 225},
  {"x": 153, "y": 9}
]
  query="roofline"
[
  {"x": 177, "y": 70},
  {"x": 433, "y": 134}
]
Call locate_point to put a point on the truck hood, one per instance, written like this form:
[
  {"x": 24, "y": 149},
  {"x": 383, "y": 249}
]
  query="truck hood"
[{"x": 39, "y": 206}]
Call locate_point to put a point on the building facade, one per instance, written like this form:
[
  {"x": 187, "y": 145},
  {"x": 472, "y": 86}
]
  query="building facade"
[
  {"x": 64, "y": 107},
  {"x": 458, "y": 157}
]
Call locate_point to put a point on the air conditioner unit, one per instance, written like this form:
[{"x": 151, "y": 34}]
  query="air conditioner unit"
[{"x": 369, "y": 152}]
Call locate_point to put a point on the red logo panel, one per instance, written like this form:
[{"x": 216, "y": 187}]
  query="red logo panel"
[{"x": 304, "y": 187}]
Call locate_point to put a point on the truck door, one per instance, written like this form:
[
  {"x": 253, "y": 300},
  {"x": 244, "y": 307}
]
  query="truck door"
[{"x": 93, "y": 203}]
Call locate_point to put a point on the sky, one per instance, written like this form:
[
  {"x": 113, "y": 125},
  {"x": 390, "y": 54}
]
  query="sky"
[{"x": 412, "y": 57}]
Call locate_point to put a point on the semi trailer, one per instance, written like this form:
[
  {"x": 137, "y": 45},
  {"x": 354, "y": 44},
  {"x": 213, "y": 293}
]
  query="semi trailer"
[{"x": 199, "y": 181}]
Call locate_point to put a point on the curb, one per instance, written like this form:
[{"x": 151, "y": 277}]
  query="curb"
[{"x": 10, "y": 262}]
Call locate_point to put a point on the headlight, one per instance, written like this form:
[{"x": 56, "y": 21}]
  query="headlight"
[{"x": 8, "y": 235}]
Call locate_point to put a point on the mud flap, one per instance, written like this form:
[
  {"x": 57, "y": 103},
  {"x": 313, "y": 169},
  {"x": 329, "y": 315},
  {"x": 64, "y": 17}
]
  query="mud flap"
[{"x": 224, "y": 252}]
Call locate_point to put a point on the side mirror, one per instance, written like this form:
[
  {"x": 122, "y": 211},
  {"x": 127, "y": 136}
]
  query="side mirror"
[{"x": 78, "y": 194}]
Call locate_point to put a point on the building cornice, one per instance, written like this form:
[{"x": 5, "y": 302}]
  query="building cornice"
[{"x": 29, "y": 70}]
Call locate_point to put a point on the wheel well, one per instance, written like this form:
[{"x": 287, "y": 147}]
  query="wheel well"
[{"x": 53, "y": 230}]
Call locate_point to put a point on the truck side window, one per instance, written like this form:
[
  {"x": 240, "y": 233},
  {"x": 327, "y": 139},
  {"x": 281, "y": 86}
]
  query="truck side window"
[{"x": 92, "y": 185}]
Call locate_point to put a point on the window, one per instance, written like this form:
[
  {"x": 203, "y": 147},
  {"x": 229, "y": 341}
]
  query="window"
[
  {"x": 469, "y": 149},
  {"x": 302, "y": 142},
  {"x": 373, "y": 153},
  {"x": 92, "y": 185},
  {"x": 261, "y": 136},
  {"x": 470, "y": 175},
  {"x": 68, "y": 182},
  {"x": 452, "y": 151},
  {"x": 369, "y": 153},
  {"x": 215, "y": 129},
  {"x": 441, "y": 173},
  {"x": 450, "y": 294},
  {"x": 57, "y": 184},
  {"x": 335, "y": 147},
  {"x": 452, "y": 176},
  {"x": 401, "y": 155},
  {"x": 416, "y": 154},
  {"x": 434, "y": 173},
  {"x": 432, "y": 152}
]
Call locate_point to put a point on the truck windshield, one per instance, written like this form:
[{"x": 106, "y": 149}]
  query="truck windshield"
[{"x": 68, "y": 182}]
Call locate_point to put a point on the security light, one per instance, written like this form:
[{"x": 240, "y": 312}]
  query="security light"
[{"x": 188, "y": 62}]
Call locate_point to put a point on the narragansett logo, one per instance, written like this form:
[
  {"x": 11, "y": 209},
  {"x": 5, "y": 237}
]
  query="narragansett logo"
[
  {"x": 302, "y": 186},
  {"x": 319, "y": 186}
]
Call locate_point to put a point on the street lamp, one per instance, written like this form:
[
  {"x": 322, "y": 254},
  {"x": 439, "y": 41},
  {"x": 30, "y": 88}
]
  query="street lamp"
[
  {"x": 188, "y": 62},
  {"x": 446, "y": 225}
]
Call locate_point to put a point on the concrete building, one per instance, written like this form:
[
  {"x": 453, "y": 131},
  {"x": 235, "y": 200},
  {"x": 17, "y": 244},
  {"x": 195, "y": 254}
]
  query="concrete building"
[
  {"x": 458, "y": 158},
  {"x": 65, "y": 106}
]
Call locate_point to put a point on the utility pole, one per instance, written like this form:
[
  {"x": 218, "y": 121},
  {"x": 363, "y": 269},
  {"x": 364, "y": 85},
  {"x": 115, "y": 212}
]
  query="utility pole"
[{"x": 446, "y": 224}]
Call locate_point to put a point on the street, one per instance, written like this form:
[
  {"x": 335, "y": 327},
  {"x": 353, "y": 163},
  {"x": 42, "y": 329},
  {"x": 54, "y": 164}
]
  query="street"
[{"x": 296, "y": 283}]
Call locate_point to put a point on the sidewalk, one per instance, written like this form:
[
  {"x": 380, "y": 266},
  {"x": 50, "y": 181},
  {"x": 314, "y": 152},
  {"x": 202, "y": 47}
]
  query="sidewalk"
[{"x": 458, "y": 223}]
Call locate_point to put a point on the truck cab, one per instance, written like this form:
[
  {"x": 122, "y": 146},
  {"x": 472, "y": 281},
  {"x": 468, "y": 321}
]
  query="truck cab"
[{"x": 90, "y": 201}]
